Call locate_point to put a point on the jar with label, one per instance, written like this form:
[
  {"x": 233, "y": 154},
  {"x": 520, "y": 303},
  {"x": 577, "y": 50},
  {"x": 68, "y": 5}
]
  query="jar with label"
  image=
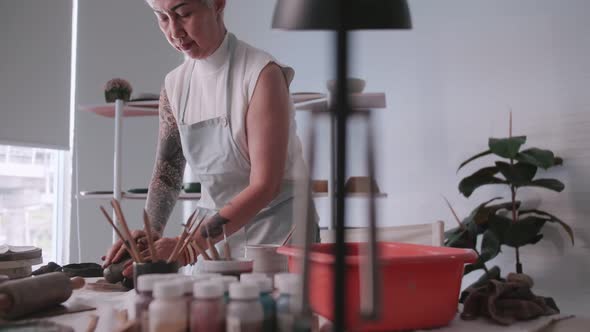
[
  {"x": 244, "y": 313},
  {"x": 168, "y": 311},
  {"x": 264, "y": 284},
  {"x": 207, "y": 312},
  {"x": 144, "y": 288},
  {"x": 225, "y": 282}
]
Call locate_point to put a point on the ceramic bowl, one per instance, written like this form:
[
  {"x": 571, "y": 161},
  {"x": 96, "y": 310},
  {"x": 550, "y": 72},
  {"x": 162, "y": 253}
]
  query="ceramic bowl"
[
  {"x": 266, "y": 259},
  {"x": 233, "y": 267},
  {"x": 355, "y": 85}
]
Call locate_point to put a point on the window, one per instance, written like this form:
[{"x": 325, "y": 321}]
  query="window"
[{"x": 29, "y": 198}]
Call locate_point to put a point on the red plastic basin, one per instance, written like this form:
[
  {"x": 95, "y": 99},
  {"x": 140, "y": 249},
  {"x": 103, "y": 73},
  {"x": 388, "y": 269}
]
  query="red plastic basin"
[{"x": 420, "y": 284}]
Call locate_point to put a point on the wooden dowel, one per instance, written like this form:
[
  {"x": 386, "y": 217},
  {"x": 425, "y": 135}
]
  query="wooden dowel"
[
  {"x": 212, "y": 248},
  {"x": 150, "y": 238},
  {"x": 288, "y": 236},
  {"x": 130, "y": 238},
  {"x": 199, "y": 248},
  {"x": 182, "y": 237},
  {"x": 226, "y": 249},
  {"x": 190, "y": 237},
  {"x": 123, "y": 238}
]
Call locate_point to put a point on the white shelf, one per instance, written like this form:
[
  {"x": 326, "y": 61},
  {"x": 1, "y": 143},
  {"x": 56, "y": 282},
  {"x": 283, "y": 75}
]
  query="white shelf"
[
  {"x": 351, "y": 195},
  {"x": 359, "y": 102},
  {"x": 197, "y": 196},
  {"x": 132, "y": 108},
  {"x": 125, "y": 195}
]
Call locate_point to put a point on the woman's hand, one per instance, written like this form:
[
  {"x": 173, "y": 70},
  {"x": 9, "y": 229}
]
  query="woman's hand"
[
  {"x": 118, "y": 250},
  {"x": 164, "y": 248}
]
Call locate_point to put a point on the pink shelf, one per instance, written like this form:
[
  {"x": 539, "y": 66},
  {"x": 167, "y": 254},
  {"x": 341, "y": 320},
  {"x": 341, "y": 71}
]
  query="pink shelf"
[{"x": 133, "y": 108}]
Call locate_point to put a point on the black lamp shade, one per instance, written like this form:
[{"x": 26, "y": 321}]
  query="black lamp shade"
[{"x": 324, "y": 15}]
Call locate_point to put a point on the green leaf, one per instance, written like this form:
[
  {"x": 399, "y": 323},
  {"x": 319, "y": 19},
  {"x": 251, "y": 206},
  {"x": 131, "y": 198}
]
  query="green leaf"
[
  {"x": 518, "y": 174},
  {"x": 538, "y": 157},
  {"x": 524, "y": 232},
  {"x": 490, "y": 246},
  {"x": 551, "y": 184},
  {"x": 500, "y": 226},
  {"x": 506, "y": 147},
  {"x": 552, "y": 218},
  {"x": 482, "y": 177},
  {"x": 459, "y": 238},
  {"x": 479, "y": 155}
]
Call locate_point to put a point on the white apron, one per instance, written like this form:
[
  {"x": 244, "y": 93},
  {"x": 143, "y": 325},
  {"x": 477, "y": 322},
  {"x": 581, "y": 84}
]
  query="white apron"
[{"x": 224, "y": 172}]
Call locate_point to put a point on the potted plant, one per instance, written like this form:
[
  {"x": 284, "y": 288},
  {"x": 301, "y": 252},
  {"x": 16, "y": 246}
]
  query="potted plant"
[{"x": 505, "y": 223}]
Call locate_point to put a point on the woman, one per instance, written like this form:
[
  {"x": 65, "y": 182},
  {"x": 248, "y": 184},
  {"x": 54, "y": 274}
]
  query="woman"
[{"x": 227, "y": 112}]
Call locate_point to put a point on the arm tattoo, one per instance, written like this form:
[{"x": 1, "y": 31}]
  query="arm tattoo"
[
  {"x": 214, "y": 226},
  {"x": 168, "y": 171}
]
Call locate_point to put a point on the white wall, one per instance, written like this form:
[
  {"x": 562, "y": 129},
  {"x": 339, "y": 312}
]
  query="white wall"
[
  {"x": 450, "y": 83},
  {"x": 115, "y": 39}
]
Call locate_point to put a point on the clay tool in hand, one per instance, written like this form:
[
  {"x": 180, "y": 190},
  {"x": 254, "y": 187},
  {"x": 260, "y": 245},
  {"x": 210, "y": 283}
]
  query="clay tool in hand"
[
  {"x": 212, "y": 248},
  {"x": 201, "y": 251},
  {"x": 288, "y": 236},
  {"x": 182, "y": 237},
  {"x": 150, "y": 238},
  {"x": 119, "y": 212},
  {"x": 119, "y": 234},
  {"x": 226, "y": 249}
]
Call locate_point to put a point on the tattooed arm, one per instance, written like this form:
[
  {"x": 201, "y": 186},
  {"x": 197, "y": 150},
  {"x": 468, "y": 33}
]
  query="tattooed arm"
[{"x": 166, "y": 179}]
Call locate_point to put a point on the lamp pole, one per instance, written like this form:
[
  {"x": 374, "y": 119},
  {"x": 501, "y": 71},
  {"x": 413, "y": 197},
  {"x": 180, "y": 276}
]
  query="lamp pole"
[{"x": 340, "y": 112}]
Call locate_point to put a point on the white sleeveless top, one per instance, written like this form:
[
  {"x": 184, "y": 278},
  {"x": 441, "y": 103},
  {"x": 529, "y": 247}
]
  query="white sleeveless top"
[{"x": 207, "y": 95}]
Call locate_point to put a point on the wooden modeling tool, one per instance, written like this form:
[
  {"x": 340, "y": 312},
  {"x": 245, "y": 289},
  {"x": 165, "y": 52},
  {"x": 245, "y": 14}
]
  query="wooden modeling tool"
[
  {"x": 226, "y": 250},
  {"x": 150, "y": 238},
  {"x": 119, "y": 234},
  {"x": 173, "y": 256},
  {"x": 119, "y": 212},
  {"x": 211, "y": 246},
  {"x": 190, "y": 237}
]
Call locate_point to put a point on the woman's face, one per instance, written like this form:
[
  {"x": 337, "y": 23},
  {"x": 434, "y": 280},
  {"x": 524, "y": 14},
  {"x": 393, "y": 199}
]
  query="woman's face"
[{"x": 191, "y": 26}]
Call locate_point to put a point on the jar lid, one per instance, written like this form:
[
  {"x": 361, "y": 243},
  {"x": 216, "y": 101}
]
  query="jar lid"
[
  {"x": 281, "y": 280},
  {"x": 264, "y": 284},
  {"x": 226, "y": 281},
  {"x": 252, "y": 276},
  {"x": 168, "y": 289},
  {"x": 207, "y": 290},
  {"x": 292, "y": 286},
  {"x": 243, "y": 291}
]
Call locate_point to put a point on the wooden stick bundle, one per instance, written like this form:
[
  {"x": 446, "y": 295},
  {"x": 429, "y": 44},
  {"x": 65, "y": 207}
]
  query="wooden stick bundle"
[
  {"x": 123, "y": 238},
  {"x": 150, "y": 238},
  {"x": 121, "y": 217}
]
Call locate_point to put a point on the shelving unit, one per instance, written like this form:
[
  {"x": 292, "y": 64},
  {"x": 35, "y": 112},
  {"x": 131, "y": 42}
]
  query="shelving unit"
[{"x": 313, "y": 102}]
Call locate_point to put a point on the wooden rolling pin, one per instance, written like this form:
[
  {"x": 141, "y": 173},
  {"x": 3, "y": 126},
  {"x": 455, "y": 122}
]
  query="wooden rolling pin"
[{"x": 25, "y": 296}]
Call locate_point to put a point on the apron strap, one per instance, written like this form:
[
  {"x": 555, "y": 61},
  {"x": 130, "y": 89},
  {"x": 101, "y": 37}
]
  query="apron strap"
[
  {"x": 184, "y": 95},
  {"x": 229, "y": 81}
]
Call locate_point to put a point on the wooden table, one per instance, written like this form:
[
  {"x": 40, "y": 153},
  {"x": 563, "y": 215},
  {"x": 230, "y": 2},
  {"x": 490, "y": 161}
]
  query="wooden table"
[{"x": 107, "y": 303}]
